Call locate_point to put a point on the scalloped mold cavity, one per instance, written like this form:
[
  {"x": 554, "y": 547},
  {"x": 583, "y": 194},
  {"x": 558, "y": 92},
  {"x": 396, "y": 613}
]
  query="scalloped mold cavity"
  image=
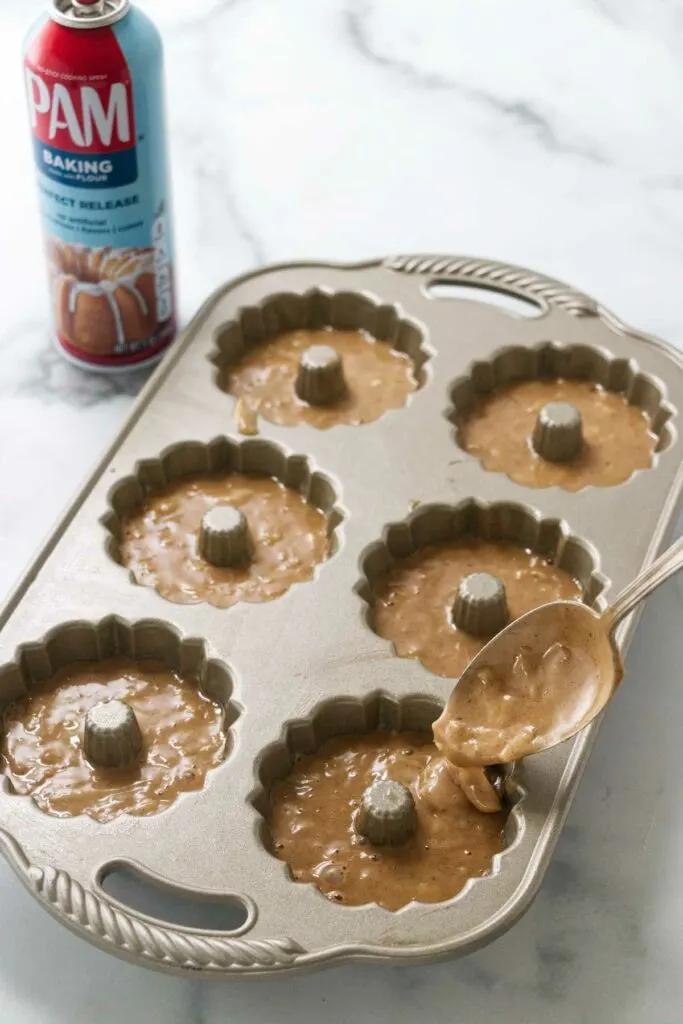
[
  {"x": 570, "y": 362},
  {"x": 346, "y": 716},
  {"x": 193, "y": 458},
  {"x": 500, "y": 521},
  {"x": 148, "y": 639},
  {"x": 315, "y": 310}
]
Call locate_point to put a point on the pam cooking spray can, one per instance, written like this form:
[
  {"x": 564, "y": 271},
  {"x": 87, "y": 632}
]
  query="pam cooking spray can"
[{"x": 94, "y": 82}]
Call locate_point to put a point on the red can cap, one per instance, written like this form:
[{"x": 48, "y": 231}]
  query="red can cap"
[{"x": 87, "y": 3}]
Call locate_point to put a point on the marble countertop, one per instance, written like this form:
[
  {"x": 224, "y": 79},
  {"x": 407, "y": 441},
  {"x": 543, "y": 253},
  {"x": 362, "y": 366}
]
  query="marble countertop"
[{"x": 544, "y": 134}]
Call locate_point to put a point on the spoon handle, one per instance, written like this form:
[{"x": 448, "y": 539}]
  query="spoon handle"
[{"x": 648, "y": 580}]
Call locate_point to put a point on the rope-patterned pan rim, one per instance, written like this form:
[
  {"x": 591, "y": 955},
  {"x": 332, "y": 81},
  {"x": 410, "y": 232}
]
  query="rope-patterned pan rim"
[
  {"x": 137, "y": 937},
  {"x": 543, "y": 291}
]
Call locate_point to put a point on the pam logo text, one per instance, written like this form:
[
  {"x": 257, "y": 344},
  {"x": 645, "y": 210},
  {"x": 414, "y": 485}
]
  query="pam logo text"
[{"x": 80, "y": 116}]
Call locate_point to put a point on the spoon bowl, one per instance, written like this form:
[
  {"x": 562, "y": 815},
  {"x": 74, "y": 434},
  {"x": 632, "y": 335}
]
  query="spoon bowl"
[
  {"x": 543, "y": 678},
  {"x": 538, "y": 682}
]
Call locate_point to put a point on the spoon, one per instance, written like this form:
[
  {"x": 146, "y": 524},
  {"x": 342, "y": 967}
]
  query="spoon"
[{"x": 543, "y": 678}]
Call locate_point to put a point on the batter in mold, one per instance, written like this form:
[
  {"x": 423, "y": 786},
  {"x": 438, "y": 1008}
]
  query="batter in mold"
[
  {"x": 376, "y": 378},
  {"x": 313, "y": 823},
  {"x": 617, "y": 436},
  {"x": 413, "y": 603},
  {"x": 287, "y": 539},
  {"x": 43, "y": 740}
]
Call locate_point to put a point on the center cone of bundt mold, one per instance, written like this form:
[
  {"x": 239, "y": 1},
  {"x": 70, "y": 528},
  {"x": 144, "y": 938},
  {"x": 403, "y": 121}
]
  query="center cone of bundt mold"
[
  {"x": 224, "y": 537},
  {"x": 112, "y": 737},
  {"x": 386, "y": 815},
  {"x": 320, "y": 378},
  {"x": 480, "y": 607},
  {"x": 558, "y": 433}
]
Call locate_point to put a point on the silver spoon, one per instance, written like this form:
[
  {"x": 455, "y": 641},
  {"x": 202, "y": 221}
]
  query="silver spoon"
[{"x": 543, "y": 678}]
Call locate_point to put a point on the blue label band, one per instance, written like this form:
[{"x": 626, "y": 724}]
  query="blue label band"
[{"x": 91, "y": 170}]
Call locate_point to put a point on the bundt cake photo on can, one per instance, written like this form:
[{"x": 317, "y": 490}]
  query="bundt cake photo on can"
[{"x": 104, "y": 299}]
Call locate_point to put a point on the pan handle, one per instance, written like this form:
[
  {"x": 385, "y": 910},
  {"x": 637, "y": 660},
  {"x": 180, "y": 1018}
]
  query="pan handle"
[
  {"x": 544, "y": 292},
  {"x": 142, "y": 939}
]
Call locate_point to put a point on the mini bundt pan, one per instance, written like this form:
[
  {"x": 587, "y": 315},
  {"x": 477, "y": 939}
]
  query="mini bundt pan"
[{"x": 308, "y": 665}]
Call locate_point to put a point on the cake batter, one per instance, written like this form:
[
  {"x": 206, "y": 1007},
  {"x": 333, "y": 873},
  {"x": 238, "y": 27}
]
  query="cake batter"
[
  {"x": 617, "y": 437},
  {"x": 312, "y": 823},
  {"x": 378, "y": 378},
  {"x": 289, "y": 539},
  {"x": 42, "y": 745},
  {"x": 530, "y": 690},
  {"x": 413, "y": 603}
]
